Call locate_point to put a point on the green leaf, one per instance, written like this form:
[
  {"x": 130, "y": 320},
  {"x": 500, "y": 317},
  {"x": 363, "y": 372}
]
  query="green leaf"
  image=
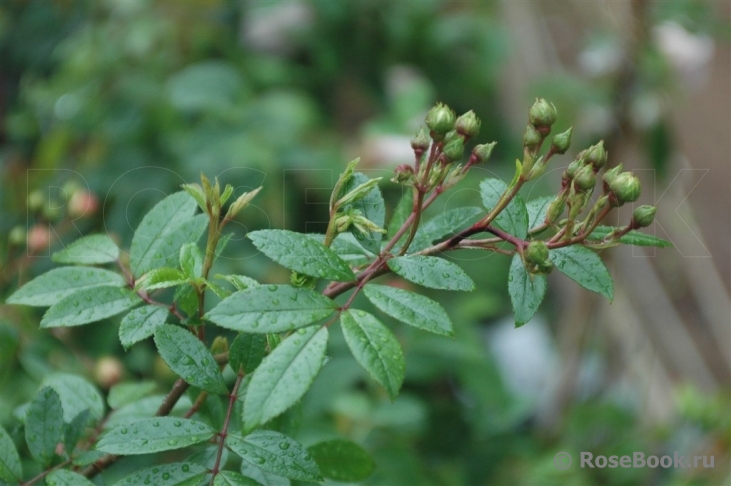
[
  {"x": 123, "y": 394},
  {"x": 161, "y": 278},
  {"x": 191, "y": 260},
  {"x": 276, "y": 453},
  {"x": 526, "y": 291},
  {"x": 537, "y": 209},
  {"x": 448, "y": 223},
  {"x": 144, "y": 408},
  {"x": 514, "y": 218},
  {"x": 284, "y": 375},
  {"x": 241, "y": 282},
  {"x": 10, "y": 469},
  {"x": 175, "y": 474},
  {"x": 166, "y": 228},
  {"x": 76, "y": 395},
  {"x": 231, "y": 478},
  {"x": 375, "y": 348},
  {"x": 342, "y": 460},
  {"x": 345, "y": 245},
  {"x": 64, "y": 477},
  {"x": 302, "y": 254},
  {"x": 584, "y": 267},
  {"x": 88, "y": 250},
  {"x": 432, "y": 272},
  {"x": 410, "y": 308},
  {"x": 246, "y": 352},
  {"x": 89, "y": 305},
  {"x": 271, "y": 308},
  {"x": 54, "y": 285},
  {"x": 75, "y": 430},
  {"x": 634, "y": 237},
  {"x": 141, "y": 323},
  {"x": 154, "y": 434},
  {"x": 44, "y": 425},
  {"x": 262, "y": 477},
  {"x": 187, "y": 356},
  {"x": 372, "y": 207},
  {"x": 87, "y": 458},
  {"x": 221, "y": 292}
]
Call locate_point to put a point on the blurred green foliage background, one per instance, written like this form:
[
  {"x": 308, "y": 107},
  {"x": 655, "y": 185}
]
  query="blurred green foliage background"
[{"x": 128, "y": 99}]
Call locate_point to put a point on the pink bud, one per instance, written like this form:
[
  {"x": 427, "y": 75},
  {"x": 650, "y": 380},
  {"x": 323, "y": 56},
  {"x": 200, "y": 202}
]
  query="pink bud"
[
  {"x": 39, "y": 238},
  {"x": 83, "y": 203}
]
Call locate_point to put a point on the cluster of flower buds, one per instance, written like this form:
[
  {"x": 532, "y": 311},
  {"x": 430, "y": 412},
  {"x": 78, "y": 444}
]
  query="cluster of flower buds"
[{"x": 540, "y": 120}]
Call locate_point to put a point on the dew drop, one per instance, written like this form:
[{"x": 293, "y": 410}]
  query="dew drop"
[
  {"x": 186, "y": 468},
  {"x": 123, "y": 431},
  {"x": 204, "y": 361},
  {"x": 361, "y": 313},
  {"x": 272, "y": 288},
  {"x": 166, "y": 476},
  {"x": 177, "y": 423},
  {"x": 275, "y": 301},
  {"x": 172, "y": 442}
]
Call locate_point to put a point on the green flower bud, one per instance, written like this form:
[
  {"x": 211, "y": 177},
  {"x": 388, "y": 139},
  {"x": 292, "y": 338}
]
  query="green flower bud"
[
  {"x": 562, "y": 141},
  {"x": 440, "y": 120},
  {"x": 596, "y": 155},
  {"x": 536, "y": 257},
  {"x": 542, "y": 115},
  {"x": 483, "y": 152},
  {"x": 531, "y": 137},
  {"x": 625, "y": 187},
  {"x": 574, "y": 167},
  {"x": 36, "y": 200},
  {"x": 556, "y": 208},
  {"x": 452, "y": 135},
  {"x": 51, "y": 213},
  {"x": 610, "y": 175},
  {"x": 219, "y": 345},
  {"x": 403, "y": 174},
  {"x": 468, "y": 125},
  {"x": 643, "y": 216},
  {"x": 454, "y": 150},
  {"x": 585, "y": 178},
  {"x": 421, "y": 141},
  {"x": 17, "y": 236}
]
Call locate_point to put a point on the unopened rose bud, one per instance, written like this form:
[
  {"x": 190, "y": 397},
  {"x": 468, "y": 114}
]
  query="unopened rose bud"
[
  {"x": 403, "y": 174},
  {"x": 573, "y": 167},
  {"x": 483, "y": 152},
  {"x": 440, "y": 120},
  {"x": 421, "y": 141},
  {"x": 39, "y": 238},
  {"x": 454, "y": 150},
  {"x": 625, "y": 187},
  {"x": 542, "y": 115},
  {"x": 83, "y": 203},
  {"x": 596, "y": 155},
  {"x": 610, "y": 175},
  {"x": 219, "y": 345},
  {"x": 17, "y": 236},
  {"x": 562, "y": 141},
  {"x": 643, "y": 216},
  {"x": 556, "y": 208},
  {"x": 468, "y": 125},
  {"x": 536, "y": 257},
  {"x": 531, "y": 137},
  {"x": 36, "y": 201},
  {"x": 585, "y": 178},
  {"x": 108, "y": 371}
]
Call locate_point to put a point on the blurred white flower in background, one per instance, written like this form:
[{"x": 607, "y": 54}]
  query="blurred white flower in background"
[{"x": 690, "y": 54}]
